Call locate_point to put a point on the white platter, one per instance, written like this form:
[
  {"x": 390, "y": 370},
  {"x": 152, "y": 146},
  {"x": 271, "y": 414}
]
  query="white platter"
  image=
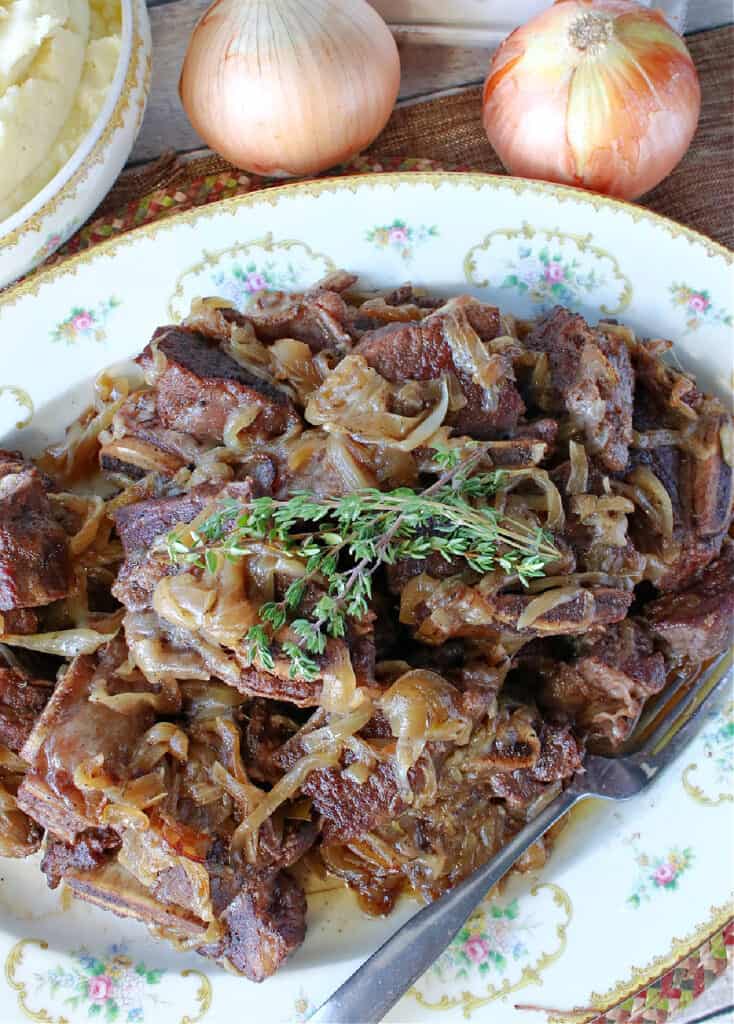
[{"x": 630, "y": 889}]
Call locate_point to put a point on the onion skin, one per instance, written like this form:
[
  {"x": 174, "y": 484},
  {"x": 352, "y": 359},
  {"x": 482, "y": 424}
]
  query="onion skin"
[
  {"x": 284, "y": 88},
  {"x": 613, "y": 110}
]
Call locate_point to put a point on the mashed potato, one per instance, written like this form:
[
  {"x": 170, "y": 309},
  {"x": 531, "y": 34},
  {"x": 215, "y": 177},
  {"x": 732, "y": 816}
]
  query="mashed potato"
[{"x": 57, "y": 59}]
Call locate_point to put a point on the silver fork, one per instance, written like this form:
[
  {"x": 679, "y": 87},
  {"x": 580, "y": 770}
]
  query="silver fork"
[{"x": 667, "y": 727}]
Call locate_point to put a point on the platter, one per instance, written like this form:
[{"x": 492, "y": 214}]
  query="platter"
[{"x": 630, "y": 889}]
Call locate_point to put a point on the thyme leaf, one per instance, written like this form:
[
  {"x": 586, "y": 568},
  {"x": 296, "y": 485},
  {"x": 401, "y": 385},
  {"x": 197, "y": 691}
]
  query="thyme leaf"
[{"x": 342, "y": 541}]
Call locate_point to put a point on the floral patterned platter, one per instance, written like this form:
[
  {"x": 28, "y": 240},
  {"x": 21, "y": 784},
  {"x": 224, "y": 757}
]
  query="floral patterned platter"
[{"x": 630, "y": 889}]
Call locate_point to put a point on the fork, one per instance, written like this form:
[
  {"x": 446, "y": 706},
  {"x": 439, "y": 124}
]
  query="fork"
[{"x": 668, "y": 725}]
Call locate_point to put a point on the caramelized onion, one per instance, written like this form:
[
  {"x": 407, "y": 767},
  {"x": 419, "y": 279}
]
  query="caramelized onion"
[
  {"x": 578, "y": 480},
  {"x": 470, "y": 356},
  {"x": 242, "y": 417},
  {"x": 159, "y": 362},
  {"x": 161, "y": 739},
  {"x": 726, "y": 438},
  {"x": 338, "y": 730},
  {"x": 359, "y": 772},
  {"x": 576, "y": 579},
  {"x": 646, "y": 483},
  {"x": 283, "y": 790},
  {"x": 339, "y": 692},
  {"x": 356, "y": 400},
  {"x": 148, "y": 853},
  {"x": 165, "y": 701},
  {"x": 216, "y": 608},
  {"x": 293, "y": 362},
  {"x": 156, "y": 655},
  {"x": 540, "y": 606},
  {"x": 19, "y": 835},
  {"x": 422, "y": 706},
  {"x": 138, "y": 453},
  {"x": 210, "y": 700},
  {"x": 77, "y": 455},
  {"x": 554, "y": 505},
  {"x": 352, "y": 474},
  {"x": 91, "y": 509},
  {"x": 67, "y": 643},
  {"x": 606, "y": 515}
]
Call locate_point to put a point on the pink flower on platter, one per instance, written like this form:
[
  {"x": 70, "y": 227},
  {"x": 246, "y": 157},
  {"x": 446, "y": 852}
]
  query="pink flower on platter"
[
  {"x": 399, "y": 236},
  {"x": 664, "y": 874},
  {"x": 83, "y": 321},
  {"x": 100, "y": 988},
  {"x": 554, "y": 272},
  {"x": 476, "y": 949},
  {"x": 698, "y": 303},
  {"x": 531, "y": 275},
  {"x": 256, "y": 282}
]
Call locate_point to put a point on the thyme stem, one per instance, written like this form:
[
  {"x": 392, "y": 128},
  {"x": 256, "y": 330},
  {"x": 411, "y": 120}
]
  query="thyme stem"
[{"x": 374, "y": 528}]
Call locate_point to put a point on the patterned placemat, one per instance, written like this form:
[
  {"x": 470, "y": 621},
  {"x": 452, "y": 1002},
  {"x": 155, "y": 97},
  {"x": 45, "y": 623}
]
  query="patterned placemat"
[
  {"x": 445, "y": 134},
  {"x": 677, "y": 988}
]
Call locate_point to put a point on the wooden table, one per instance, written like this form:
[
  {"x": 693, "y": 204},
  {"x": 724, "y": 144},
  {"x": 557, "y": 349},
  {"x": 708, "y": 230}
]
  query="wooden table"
[{"x": 443, "y": 45}]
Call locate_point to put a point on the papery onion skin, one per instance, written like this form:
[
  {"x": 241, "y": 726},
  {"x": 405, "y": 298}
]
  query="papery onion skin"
[
  {"x": 285, "y": 88},
  {"x": 614, "y": 117}
]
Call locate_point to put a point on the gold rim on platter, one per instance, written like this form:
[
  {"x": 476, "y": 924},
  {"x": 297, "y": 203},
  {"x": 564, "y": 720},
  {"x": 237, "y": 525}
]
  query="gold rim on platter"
[{"x": 271, "y": 196}]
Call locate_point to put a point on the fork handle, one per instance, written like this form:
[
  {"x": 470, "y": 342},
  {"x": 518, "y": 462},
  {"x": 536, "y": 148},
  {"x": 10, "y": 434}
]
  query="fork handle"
[{"x": 379, "y": 983}]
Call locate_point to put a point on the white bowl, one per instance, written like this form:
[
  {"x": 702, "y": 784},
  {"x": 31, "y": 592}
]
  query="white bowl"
[{"x": 44, "y": 223}]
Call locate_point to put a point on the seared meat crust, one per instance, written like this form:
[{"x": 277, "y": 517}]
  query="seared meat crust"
[{"x": 272, "y": 706}]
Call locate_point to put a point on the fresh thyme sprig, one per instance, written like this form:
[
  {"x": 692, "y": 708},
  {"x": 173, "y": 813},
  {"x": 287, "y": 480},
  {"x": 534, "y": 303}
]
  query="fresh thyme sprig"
[{"x": 366, "y": 529}]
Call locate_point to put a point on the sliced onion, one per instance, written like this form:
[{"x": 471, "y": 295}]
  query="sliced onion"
[
  {"x": 92, "y": 510},
  {"x": 578, "y": 480},
  {"x": 575, "y": 580},
  {"x": 293, "y": 362},
  {"x": 422, "y": 706},
  {"x": 210, "y": 700},
  {"x": 246, "y": 797},
  {"x": 139, "y": 453},
  {"x": 239, "y": 420},
  {"x": 161, "y": 739},
  {"x": 76, "y": 456},
  {"x": 155, "y": 655},
  {"x": 540, "y": 606},
  {"x": 556, "y": 516},
  {"x": 470, "y": 356},
  {"x": 166, "y": 701},
  {"x": 358, "y": 772},
  {"x": 355, "y": 399},
  {"x": 66, "y": 643},
  {"x": 10, "y": 762},
  {"x": 283, "y": 790},
  {"x": 644, "y": 480},
  {"x": 587, "y": 505},
  {"x": 339, "y": 692},
  {"x": 19, "y": 835},
  {"x": 310, "y": 444},
  {"x": 726, "y": 438},
  {"x": 352, "y": 474},
  {"x": 338, "y": 730},
  {"x": 148, "y": 853}
]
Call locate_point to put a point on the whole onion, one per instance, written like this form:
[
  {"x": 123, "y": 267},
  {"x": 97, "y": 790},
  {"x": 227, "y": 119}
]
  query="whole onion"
[
  {"x": 601, "y": 94},
  {"x": 290, "y": 87}
]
